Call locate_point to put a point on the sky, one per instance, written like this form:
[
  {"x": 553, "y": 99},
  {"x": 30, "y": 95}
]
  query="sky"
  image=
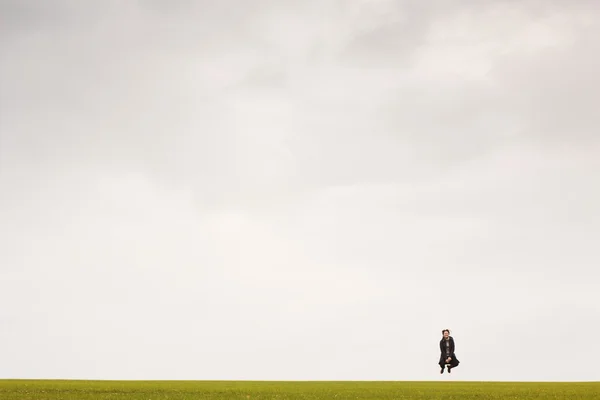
[{"x": 299, "y": 190}]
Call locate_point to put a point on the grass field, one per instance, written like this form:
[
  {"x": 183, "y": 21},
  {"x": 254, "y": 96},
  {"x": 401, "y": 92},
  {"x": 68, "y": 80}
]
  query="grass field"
[{"x": 158, "y": 390}]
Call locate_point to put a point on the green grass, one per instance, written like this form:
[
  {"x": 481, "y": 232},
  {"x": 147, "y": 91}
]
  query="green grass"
[{"x": 158, "y": 390}]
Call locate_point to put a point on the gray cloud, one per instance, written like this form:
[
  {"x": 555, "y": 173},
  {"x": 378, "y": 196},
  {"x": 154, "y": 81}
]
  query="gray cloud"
[{"x": 320, "y": 186}]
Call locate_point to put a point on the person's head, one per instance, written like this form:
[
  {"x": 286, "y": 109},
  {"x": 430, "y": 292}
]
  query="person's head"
[{"x": 446, "y": 333}]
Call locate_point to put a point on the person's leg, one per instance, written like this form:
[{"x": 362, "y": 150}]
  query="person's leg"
[
  {"x": 442, "y": 365},
  {"x": 453, "y": 364}
]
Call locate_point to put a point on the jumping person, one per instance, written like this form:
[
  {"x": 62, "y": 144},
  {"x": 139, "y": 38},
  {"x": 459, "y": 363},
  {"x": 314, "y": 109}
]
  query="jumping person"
[{"x": 447, "y": 356}]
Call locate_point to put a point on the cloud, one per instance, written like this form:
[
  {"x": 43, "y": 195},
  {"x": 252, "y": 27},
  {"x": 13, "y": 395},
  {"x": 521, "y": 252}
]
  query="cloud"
[{"x": 306, "y": 184}]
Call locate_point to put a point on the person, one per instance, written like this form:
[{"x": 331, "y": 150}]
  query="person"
[{"x": 447, "y": 356}]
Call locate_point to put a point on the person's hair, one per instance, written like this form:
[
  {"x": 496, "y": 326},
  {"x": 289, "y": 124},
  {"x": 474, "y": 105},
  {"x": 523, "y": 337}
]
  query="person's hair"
[{"x": 446, "y": 330}]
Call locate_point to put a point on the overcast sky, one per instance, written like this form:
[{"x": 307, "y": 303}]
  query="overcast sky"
[{"x": 295, "y": 189}]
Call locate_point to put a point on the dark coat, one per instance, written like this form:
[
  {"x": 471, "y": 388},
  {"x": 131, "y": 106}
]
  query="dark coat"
[{"x": 442, "y": 360}]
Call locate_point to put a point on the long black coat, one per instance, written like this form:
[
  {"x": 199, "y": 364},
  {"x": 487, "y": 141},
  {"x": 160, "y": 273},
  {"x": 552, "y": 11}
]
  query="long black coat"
[{"x": 442, "y": 360}]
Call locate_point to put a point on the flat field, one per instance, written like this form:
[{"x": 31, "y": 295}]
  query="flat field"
[{"x": 161, "y": 390}]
